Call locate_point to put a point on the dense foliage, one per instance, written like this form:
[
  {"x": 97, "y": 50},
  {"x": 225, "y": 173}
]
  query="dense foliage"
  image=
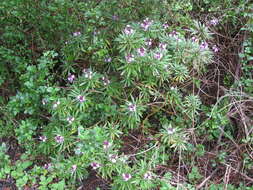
[{"x": 134, "y": 94}]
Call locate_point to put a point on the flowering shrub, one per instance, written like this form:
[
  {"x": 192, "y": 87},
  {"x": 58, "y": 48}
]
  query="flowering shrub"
[{"x": 106, "y": 87}]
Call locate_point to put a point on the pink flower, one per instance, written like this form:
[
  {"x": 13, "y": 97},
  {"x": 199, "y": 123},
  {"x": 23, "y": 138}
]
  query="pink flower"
[
  {"x": 95, "y": 165},
  {"x": 215, "y": 48},
  {"x": 204, "y": 46},
  {"x": 126, "y": 176},
  {"x": 59, "y": 139},
  {"x": 158, "y": 55},
  {"x": 81, "y": 98},
  {"x": 48, "y": 166},
  {"x": 141, "y": 51},
  {"x": 165, "y": 26},
  {"x": 71, "y": 78},
  {"x": 128, "y": 30}
]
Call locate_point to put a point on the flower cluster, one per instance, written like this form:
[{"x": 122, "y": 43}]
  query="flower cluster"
[
  {"x": 158, "y": 55},
  {"x": 215, "y": 48},
  {"x": 128, "y": 30},
  {"x": 146, "y": 24},
  {"x": 141, "y": 51}
]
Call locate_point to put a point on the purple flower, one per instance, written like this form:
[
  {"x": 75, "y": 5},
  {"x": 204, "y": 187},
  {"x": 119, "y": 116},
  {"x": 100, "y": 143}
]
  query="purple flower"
[
  {"x": 48, "y": 166},
  {"x": 162, "y": 46},
  {"x": 59, "y": 139},
  {"x": 76, "y": 34},
  {"x": 146, "y": 24},
  {"x": 128, "y": 30},
  {"x": 70, "y": 119},
  {"x": 129, "y": 58},
  {"x": 95, "y": 165},
  {"x": 113, "y": 158},
  {"x": 165, "y": 26},
  {"x": 43, "y": 138},
  {"x": 81, "y": 98},
  {"x": 73, "y": 168},
  {"x": 204, "y": 46},
  {"x": 148, "y": 42},
  {"x": 55, "y": 105},
  {"x": 71, "y": 78},
  {"x": 141, "y": 51},
  {"x": 158, "y": 55},
  {"x": 106, "y": 144},
  {"x": 131, "y": 107},
  {"x": 215, "y": 48},
  {"x": 148, "y": 175},
  {"x": 170, "y": 131},
  {"x": 126, "y": 176},
  {"x": 214, "y": 21}
]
